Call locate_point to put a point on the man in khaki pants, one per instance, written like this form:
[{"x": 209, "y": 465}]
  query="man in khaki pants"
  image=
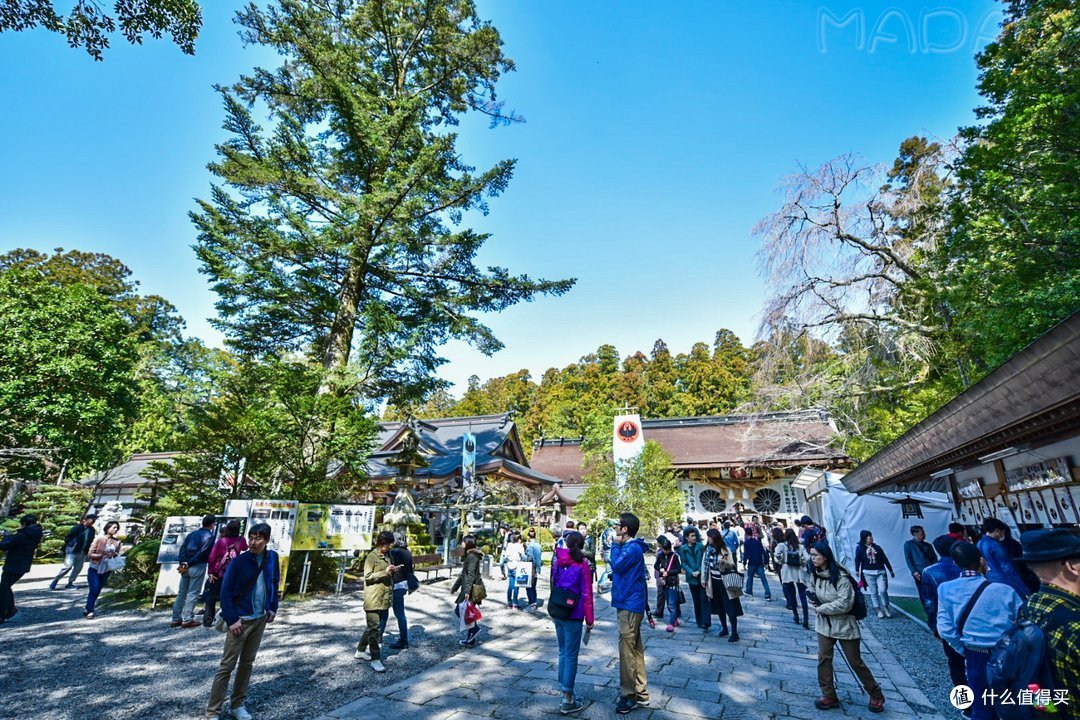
[
  {"x": 249, "y": 600},
  {"x": 629, "y": 595}
]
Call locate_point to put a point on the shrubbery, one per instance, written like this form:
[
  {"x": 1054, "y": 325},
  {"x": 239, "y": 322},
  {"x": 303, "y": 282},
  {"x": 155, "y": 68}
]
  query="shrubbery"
[{"x": 139, "y": 577}]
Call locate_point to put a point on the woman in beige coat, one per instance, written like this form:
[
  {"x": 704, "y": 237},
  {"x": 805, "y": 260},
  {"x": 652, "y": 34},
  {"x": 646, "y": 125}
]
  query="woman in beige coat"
[
  {"x": 724, "y": 601},
  {"x": 833, "y": 598}
]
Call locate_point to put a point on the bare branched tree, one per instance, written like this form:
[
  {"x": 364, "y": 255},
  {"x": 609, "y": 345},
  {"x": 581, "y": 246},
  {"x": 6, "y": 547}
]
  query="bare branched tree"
[{"x": 850, "y": 257}]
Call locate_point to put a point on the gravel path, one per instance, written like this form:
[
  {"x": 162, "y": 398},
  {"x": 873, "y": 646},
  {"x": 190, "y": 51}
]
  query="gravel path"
[
  {"x": 919, "y": 653},
  {"x": 130, "y": 664}
]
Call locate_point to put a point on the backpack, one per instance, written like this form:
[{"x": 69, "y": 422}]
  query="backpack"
[
  {"x": 1022, "y": 657},
  {"x": 228, "y": 557},
  {"x": 858, "y": 607},
  {"x": 793, "y": 558}
]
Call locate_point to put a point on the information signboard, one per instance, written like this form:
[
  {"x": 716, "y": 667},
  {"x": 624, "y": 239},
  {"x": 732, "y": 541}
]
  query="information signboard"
[
  {"x": 280, "y": 515},
  {"x": 331, "y": 526}
]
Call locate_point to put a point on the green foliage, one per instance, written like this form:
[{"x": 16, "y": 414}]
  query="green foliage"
[
  {"x": 580, "y": 399},
  {"x": 1012, "y": 263},
  {"x": 66, "y": 370},
  {"x": 266, "y": 431},
  {"x": 87, "y": 26},
  {"x": 652, "y": 490},
  {"x": 338, "y": 229},
  {"x": 57, "y": 508},
  {"x": 138, "y": 579}
]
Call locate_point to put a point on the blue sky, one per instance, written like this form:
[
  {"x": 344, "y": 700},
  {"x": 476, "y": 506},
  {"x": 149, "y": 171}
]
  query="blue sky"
[{"x": 656, "y": 135}]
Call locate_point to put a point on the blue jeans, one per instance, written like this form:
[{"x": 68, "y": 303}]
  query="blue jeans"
[
  {"x": 512, "y": 590},
  {"x": 399, "y": 612},
  {"x": 672, "y": 594},
  {"x": 759, "y": 571},
  {"x": 96, "y": 581},
  {"x": 568, "y": 633},
  {"x": 975, "y": 663}
]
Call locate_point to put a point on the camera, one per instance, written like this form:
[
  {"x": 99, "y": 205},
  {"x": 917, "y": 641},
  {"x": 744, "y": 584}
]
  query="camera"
[{"x": 812, "y": 597}]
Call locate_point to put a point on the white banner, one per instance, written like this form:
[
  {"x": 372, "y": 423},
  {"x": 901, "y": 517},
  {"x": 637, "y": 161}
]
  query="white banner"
[{"x": 627, "y": 444}]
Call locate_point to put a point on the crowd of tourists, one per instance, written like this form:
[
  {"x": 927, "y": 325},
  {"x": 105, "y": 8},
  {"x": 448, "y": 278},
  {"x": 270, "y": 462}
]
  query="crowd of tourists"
[{"x": 997, "y": 605}]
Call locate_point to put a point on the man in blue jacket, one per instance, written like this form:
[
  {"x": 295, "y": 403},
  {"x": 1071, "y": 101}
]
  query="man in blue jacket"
[
  {"x": 629, "y": 594},
  {"x": 999, "y": 564},
  {"x": 194, "y": 554},
  {"x": 934, "y": 577},
  {"x": 249, "y": 600}
]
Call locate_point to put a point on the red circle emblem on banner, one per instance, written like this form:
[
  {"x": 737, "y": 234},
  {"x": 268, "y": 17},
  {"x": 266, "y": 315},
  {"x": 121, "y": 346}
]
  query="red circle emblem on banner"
[{"x": 628, "y": 431}]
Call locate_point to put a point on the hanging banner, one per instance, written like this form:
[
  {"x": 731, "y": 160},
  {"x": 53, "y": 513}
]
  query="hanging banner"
[
  {"x": 333, "y": 527},
  {"x": 468, "y": 465},
  {"x": 627, "y": 444}
]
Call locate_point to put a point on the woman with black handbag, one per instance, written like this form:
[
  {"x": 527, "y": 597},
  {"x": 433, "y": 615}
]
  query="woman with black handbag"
[
  {"x": 723, "y": 593},
  {"x": 570, "y": 603}
]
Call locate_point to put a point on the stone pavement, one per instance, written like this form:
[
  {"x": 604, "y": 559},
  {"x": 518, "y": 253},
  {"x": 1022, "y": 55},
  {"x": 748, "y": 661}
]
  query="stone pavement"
[{"x": 770, "y": 673}]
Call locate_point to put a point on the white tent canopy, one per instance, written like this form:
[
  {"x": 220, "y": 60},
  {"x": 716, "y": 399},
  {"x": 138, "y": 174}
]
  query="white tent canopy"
[{"x": 845, "y": 514}]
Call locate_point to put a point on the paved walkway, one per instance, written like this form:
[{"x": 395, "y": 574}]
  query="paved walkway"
[{"x": 770, "y": 673}]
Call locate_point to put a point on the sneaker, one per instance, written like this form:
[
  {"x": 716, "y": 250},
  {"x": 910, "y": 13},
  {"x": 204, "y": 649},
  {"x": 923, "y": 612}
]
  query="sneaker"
[
  {"x": 52, "y": 585},
  {"x": 377, "y": 666},
  {"x": 768, "y": 598},
  {"x": 240, "y": 713},
  {"x": 467, "y": 643},
  {"x": 827, "y": 703},
  {"x": 624, "y": 706},
  {"x": 888, "y": 614},
  {"x": 88, "y": 615},
  {"x": 569, "y": 707},
  {"x": 881, "y": 614},
  {"x": 362, "y": 655},
  {"x": 671, "y": 628}
]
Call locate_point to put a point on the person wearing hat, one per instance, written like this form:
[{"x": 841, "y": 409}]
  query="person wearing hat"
[
  {"x": 76, "y": 545},
  {"x": 1054, "y": 555}
]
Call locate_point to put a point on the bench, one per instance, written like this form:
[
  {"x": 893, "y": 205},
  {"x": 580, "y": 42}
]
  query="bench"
[{"x": 455, "y": 554}]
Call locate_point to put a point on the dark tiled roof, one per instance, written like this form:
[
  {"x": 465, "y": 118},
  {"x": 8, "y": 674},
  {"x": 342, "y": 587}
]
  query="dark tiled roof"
[
  {"x": 133, "y": 473},
  {"x": 1034, "y": 395},
  {"x": 794, "y": 439},
  {"x": 497, "y": 447}
]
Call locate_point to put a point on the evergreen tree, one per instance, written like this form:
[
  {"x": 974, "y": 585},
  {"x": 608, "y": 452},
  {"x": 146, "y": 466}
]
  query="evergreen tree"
[{"x": 339, "y": 232}]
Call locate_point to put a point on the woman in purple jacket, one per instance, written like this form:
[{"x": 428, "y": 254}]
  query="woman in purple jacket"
[{"x": 571, "y": 572}]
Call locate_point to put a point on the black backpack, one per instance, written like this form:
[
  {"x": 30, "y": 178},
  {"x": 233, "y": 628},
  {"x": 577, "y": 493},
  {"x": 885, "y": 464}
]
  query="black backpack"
[
  {"x": 1022, "y": 657},
  {"x": 793, "y": 558},
  {"x": 858, "y": 607}
]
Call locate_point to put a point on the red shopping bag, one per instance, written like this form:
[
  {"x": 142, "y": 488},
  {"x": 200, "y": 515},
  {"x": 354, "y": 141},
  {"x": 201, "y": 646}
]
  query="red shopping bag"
[{"x": 472, "y": 613}]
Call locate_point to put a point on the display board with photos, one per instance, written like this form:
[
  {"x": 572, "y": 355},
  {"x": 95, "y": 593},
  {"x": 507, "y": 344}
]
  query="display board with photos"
[
  {"x": 176, "y": 530},
  {"x": 329, "y": 526}
]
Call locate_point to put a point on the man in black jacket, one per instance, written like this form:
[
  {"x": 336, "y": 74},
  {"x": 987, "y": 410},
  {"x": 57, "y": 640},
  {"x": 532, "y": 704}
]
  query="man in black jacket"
[
  {"x": 194, "y": 554},
  {"x": 919, "y": 555},
  {"x": 19, "y": 547},
  {"x": 76, "y": 544}
]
